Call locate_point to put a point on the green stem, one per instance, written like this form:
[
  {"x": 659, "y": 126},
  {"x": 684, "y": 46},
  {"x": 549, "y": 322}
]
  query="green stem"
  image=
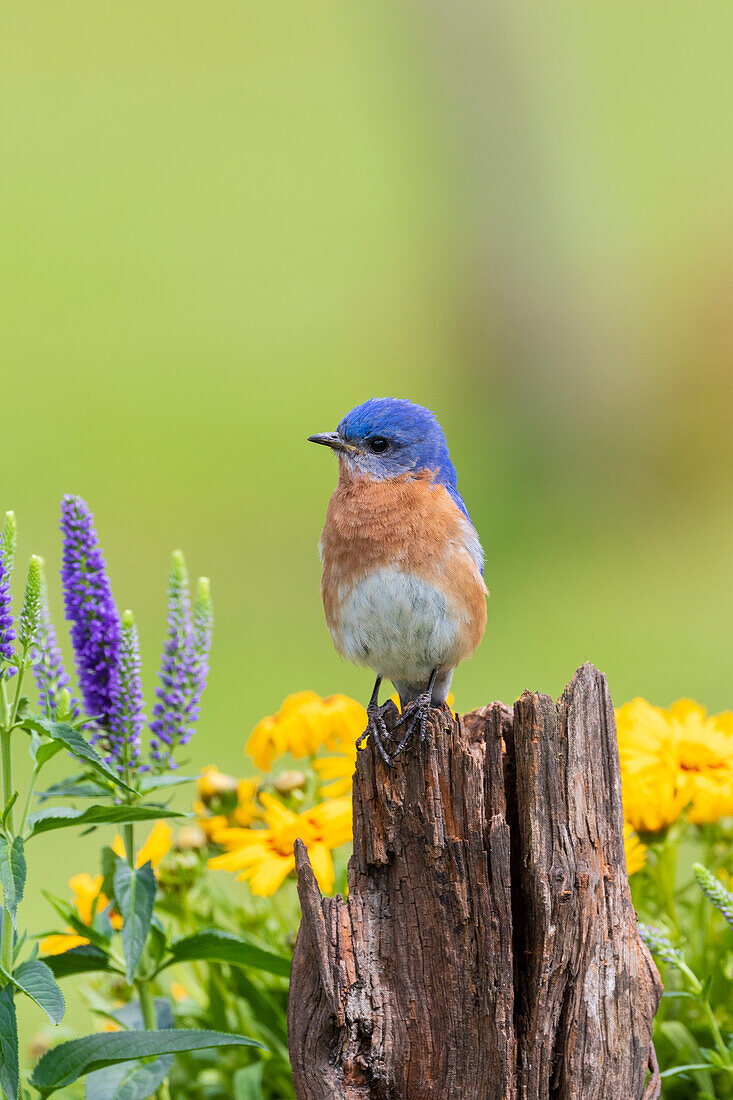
[
  {"x": 6, "y": 949},
  {"x": 129, "y": 835},
  {"x": 150, "y": 1021},
  {"x": 28, "y": 796},
  {"x": 147, "y": 1004},
  {"x": 720, "y": 1045},
  {"x": 18, "y": 686},
  {"x": 696, "y": 988}
]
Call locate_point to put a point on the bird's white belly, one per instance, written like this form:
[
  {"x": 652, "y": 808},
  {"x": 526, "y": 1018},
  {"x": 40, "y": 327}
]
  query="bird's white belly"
[{"x": 398, "y": 625}]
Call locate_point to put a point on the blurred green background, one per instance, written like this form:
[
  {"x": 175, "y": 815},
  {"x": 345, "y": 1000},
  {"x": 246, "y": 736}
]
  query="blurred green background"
[{"x": 223, "y": 225}]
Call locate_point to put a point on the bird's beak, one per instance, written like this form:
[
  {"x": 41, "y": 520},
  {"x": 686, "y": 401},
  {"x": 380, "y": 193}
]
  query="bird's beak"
[{"x": 334, "y": 441}]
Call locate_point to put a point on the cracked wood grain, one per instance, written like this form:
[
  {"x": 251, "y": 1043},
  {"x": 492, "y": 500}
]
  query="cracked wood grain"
[{"x": 488, "y": 947}]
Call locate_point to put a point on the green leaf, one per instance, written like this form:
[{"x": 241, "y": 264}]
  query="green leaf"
[
  {"x": 76, "y": 786},
  {"x": 247, "y": 1082},
  {"x": 8, "y": 807},
  {"x": 684, "y": 1041},
  {"x": 97, "y": 936},
  {"x": 9, "y": 1069},
  {"x": 42, "y": 751},
  {"x": 69, "y": 1061},
  {"x": 77, "y": 960},
  {"x": 148, "y": 783},
  {"x": 76, "y": 744},
  {"x": 62, "y": 817},
  {"x": 36, "y": 980},
  {"x": 12, "y": 874},
  {"x": 128, "y": 1080},
  {"x": 683, "y": 1069},
  {"x": 135, "y": 894},
  {"x": 224, "y": 947}
]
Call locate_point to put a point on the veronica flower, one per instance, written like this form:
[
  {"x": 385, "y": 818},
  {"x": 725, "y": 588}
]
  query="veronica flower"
[
  {"x": 184, "y": 665},
  {"x": 203, "y": 627},
  {"x": 7, "y": 549},
  {"x": 714, "y": 890},
  {"x": 95, "y": 632},
  {"x": 48, "y": 665},
  {"x": 127, "y": 718}
]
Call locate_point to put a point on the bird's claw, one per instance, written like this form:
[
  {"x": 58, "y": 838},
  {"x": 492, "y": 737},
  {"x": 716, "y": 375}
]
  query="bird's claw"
[
  {"x": 414, "y": 715},
  {"x": 377, "y": 727}
]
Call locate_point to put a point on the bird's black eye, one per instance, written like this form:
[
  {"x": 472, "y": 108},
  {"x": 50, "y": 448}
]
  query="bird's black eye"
[{"x": 378, "y": 444}]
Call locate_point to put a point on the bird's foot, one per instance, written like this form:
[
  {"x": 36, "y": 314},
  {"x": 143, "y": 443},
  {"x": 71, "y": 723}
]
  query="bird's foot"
[
  {"x": 377, "y": 727},
  {"x": 415, "y": 717}
]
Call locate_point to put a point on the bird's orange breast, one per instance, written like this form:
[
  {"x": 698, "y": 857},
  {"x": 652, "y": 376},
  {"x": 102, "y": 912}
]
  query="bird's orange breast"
[{"x": 408, "y": 523}]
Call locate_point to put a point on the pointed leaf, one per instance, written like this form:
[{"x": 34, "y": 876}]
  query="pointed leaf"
[
  {"x": 70, "y": 916},
  {"x": 63, "y": 817},
  {"x": 145, "y": 1080},
  {"x": 76, "y": 786},
  {"x": 78, "y": 960},
  {"x": 224, "y": 947},
  {"x": 12, "y": 874},
  {"x": 104, "y": 1083},
  {"x": 8, "y": 807},
  {"x": 135, "y": 894},
  {"x": 147, "y": 783},
  {"x": 42, "y": 751},
  {"x": 683, "y": 1069},
  {"x": 69, "y": 1061},
  {"x": 131, "y": 1015},
  {"x": 36, "y": 980},
  {"x": 248, "y": 1082},
  {"x": 128, "y": 1080},
  {"x": 9, "y": 1068},
  {"x": 76, "y": 744}
]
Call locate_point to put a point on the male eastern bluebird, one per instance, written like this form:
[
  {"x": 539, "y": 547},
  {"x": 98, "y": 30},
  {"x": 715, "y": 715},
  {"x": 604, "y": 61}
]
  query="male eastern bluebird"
[{"x": 402, "y": 585}]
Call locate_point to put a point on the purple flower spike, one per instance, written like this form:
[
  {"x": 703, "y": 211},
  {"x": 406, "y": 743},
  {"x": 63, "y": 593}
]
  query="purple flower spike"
[
  {"x": 184, "y": 667},
  {"x": 95, "y": 631},
  {"x": 203, "y": 627},
  {"x": 7, "y": 633},
  {"x": 128, "y": 719},
  {"x": 7, "y": 630},
  {"x": 48, "y": 666}
]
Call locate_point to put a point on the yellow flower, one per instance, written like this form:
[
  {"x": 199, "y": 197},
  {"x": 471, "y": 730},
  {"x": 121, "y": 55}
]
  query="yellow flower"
[
  {"x": 210, "y": 823},
  {"x": 674, "y": 758},
  {"x": 265, "y": 856},
  {"x": 712, "y": 799},
  {"x": 635, "y": 850},
  {"x": 338, "y": 771},
  {"x": 303, "y": 724},
  {"x": 157, "y": 845},
  {"x": 88, "y": 900},
  {"x": 247, "y": 810},
  {"x": 178, "y": 991}
]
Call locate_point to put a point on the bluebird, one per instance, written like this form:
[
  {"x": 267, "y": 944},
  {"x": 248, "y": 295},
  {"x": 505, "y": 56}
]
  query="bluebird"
[{"x": 402, "y": 585}]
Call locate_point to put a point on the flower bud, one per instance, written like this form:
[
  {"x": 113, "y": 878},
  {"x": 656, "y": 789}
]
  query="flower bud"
[
  {"x": 289, "y": 781},
  {"x": 218, "y": 791},
  {"x": 30, "y": 616},
  {"x": 190, "y": 838}
]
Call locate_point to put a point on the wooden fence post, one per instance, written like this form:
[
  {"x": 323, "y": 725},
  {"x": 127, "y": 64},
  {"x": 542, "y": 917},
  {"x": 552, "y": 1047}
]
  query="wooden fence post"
[{"x": 488, "y": 947}]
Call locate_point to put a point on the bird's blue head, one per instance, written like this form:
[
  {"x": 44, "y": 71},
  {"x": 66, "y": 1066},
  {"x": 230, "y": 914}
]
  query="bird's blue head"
[{"x": 389, "y": 437}]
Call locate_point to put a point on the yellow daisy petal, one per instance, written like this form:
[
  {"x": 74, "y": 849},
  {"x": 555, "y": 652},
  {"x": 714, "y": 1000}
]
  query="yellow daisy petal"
[
  {"x": 157, "y": 844},
  {"x": 269, "y": 875},
  {"x": 322, "y": 865},
  {"x": 59, "y": 942}
]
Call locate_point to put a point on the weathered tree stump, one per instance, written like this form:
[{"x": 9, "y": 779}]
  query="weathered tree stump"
[{"x": 488, "y": 948}]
